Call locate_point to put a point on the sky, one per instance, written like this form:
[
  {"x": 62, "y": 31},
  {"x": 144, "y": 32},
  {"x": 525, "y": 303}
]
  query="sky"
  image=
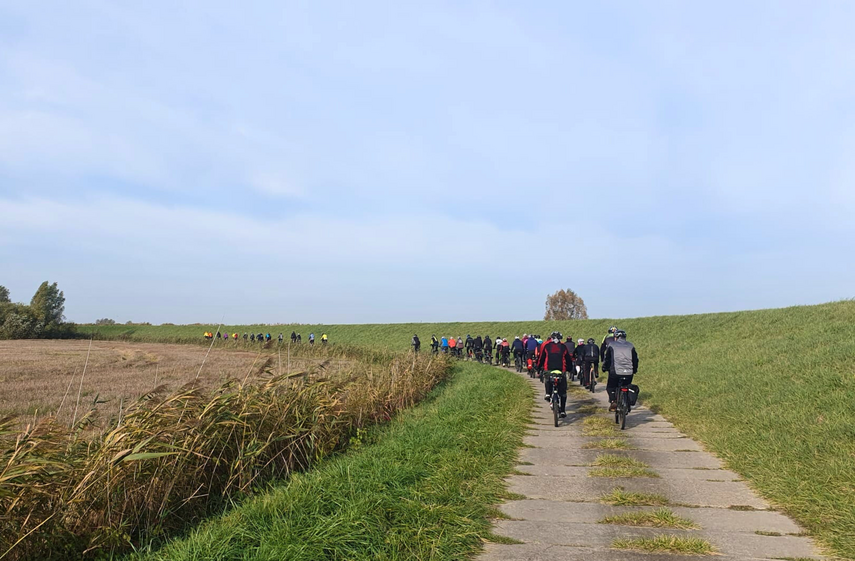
[{"x": 358, "y": 162}]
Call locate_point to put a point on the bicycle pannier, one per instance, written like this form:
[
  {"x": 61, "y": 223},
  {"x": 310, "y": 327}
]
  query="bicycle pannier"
[{"x": 633, "y": 394}]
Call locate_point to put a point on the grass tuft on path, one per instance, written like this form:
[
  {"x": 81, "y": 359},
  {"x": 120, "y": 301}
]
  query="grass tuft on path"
[
  {"x": 608, "y": 444},
  {"x": 667, "y": 544},
  {"x": 423, "y": 490},
  {"x": 622, "y": 472},
  {"x": 659, "y": 518},
  {"x": 619, "y": 497}
]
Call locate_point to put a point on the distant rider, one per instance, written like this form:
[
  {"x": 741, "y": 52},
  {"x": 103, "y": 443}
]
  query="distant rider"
[
  {"x": 417, "y": 345},
  {"x": 607, "y": 340}
]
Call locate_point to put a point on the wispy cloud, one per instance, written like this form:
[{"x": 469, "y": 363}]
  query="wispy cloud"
[{"x": 395, "y": 162}]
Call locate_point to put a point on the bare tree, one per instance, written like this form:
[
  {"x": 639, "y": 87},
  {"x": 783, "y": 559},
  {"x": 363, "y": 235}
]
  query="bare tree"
[{"x": 563, "y": 305}]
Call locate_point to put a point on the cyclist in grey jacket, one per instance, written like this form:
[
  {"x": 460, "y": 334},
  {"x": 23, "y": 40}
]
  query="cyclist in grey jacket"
[{"x": 621, "y": 362}]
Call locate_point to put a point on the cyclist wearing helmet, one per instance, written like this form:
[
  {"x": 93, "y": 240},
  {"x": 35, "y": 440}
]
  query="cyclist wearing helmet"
[
  {"x": 621, "y": 363},
  {"x": 554, "y": 357},
  {"x": 590, "y": 356},
  {"x": 607, "y": 340},
  {"x": 518, "y": 348}
]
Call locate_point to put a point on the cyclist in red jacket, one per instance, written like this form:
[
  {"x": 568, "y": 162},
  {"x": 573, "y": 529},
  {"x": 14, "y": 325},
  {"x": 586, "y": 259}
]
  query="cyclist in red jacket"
[{"x": 554, "y": 357}]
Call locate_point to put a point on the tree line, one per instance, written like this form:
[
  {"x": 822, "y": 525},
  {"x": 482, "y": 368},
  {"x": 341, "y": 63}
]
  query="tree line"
[{"x": 43, "y": 318}]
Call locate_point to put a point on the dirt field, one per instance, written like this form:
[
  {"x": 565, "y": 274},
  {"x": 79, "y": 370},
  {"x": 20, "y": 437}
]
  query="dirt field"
[{"x": 35, "y": 375}]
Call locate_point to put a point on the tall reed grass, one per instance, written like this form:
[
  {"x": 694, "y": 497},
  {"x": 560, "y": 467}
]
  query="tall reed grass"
[{"x": 172, "y": 459}]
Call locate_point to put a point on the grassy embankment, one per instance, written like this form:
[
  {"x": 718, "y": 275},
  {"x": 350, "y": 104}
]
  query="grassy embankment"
[
  {"x": 420, "y": 489},
  {"x": 769, "y": 391}
]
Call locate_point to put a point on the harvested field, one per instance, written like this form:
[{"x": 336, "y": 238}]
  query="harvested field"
[{"x": 36, "y": 374}]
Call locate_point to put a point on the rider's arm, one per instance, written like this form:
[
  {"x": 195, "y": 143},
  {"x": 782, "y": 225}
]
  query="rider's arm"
[
  {"x": 607, "y": 360},
  {"x": 634, "y": 361}
]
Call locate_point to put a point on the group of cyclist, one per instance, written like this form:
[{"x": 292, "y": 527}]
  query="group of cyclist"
[
  {"x": 264, "y": 337},
  {"x": 582, "y": 358}
]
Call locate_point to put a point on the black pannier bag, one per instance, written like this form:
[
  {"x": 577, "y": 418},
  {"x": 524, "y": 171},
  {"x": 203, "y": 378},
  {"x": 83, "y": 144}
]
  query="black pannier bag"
[{"x": 633, "y": 394}]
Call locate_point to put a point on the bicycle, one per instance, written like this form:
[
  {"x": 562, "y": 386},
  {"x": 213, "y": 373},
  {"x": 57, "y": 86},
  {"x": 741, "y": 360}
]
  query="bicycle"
[
  {"x": 518, "y": 362},
  {"x": 623, "y": 406},
  {"x": 591, "y": 377},
  {"x": 555, "y": 399}
]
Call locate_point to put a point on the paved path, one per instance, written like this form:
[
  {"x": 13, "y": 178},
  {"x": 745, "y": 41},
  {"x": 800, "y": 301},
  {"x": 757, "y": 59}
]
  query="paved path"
[{"x": 558, "y": 518}]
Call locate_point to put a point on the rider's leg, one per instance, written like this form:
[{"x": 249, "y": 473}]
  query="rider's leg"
[
  {"x": 611, "y": 388},
  {"x": 562, "y": 391},
  {"x": 548, "y": 388}
]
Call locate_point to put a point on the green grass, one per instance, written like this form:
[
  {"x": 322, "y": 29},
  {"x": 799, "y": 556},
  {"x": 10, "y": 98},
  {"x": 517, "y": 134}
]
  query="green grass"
[
  {"x": 659, "y": 518},
  {"x": 769, "y": 391},
  {"x": 667, "y": 544},
  {"x": 598, "y": 426},
  {"x": 423, "y": 488},
  {"x": 619, "y": 497},
  {"x": 609, "y": 465},
  {"x": 612, "y": 460},
  {"x": 622, "y": 472},
  {"x": 608, "y": 444}
]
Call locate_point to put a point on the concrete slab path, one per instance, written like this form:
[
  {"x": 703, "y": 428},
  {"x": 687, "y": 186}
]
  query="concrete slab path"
[{"x": 563, "y": 506}]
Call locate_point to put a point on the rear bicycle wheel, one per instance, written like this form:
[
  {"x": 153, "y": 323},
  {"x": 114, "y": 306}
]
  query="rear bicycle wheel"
[
  {"x": 623, "y": 404},
  {"x": 555, "y": 408},
  {"x": 593, "y": 378}
]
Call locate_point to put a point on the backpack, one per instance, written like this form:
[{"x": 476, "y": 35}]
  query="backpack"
[
  {"x": 591, "y": 354},
  {"x": 633, "y": 394}
]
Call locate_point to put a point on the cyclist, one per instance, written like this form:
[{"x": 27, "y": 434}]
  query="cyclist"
[
  {"x": 293, "y": 336},
  {"x": 417, "y": 345},
  {"x": 506, "y": 353},
  {"x": 468, "y": 346},
  {"x": 498, "y": 350},
  {"x": 607, "y": 340},
  {"x": 571, "y": 348},
  {"x": 444, "y": 344},
  {"x": 245, "y": 336},
  {"x": 452, "y": 345},
  {"x": 518, "y": 349},
  {"x": 460, "y": 344},
  {"x": 280, "y": 338},
  {"x": 554, "y": 357},
  {"x": 324, "y": 339},
  {"x": 530, "y": 348},
  {"x": 260, "y": 337},
  {"x": 252, "y": 337},
  {"x": 488, "y": 349},
  {"x": 311, "y": 338},
  {"x": 434, "y": 344},
  {"x": 299, "y": 338},
  {"x": 478, "y": 348},
  {"x": 590, "y": 355},
  {"x": 621, "y": 362}
]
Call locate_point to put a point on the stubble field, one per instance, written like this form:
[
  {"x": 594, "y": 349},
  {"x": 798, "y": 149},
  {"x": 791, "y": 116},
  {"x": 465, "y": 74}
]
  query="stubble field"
[{"x": 37, "y": 376}]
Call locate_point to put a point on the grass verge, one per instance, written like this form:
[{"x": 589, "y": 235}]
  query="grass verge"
[
  {"x": 422, "y": 490},
  {"x": 619, "y": 497},
  {"x": 659, "y": 518},
  {"x": 667, "y": 544}
]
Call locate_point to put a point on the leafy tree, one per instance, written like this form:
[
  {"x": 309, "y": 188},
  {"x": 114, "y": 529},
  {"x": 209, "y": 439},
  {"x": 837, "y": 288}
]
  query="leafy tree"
[
  {"x": 564, "y": 305},
  {"x": 48, "y": 304},
  {"x": 4, "y": 295},
  {"x": 18, "y": 321},
  {"x": 105, "y": 321}
]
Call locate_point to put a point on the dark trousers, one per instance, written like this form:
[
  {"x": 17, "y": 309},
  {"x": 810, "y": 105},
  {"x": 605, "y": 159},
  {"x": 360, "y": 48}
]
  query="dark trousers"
[
  {"x": 562, "y": 389},
  {"x": 615, "y": 382},
  {"x": 586, "y": 366}
]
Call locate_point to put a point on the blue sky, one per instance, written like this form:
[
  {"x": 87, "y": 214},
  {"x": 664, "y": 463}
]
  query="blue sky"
[{"x": 398, "y": 161}]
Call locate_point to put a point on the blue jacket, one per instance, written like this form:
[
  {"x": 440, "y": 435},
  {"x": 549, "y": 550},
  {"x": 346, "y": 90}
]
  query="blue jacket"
[
  {"x": 444, "y": 342},
  {"x": 531, "y": 344}
]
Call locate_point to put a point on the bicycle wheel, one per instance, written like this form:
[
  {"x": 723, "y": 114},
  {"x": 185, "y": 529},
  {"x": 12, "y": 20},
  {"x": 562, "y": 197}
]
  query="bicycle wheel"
[
  {"x": 593, "y": 378},
  {"x": 623, "y": 405},
  {"x": 617, "y": 406},
  {"x": 555, "y": 408}
]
